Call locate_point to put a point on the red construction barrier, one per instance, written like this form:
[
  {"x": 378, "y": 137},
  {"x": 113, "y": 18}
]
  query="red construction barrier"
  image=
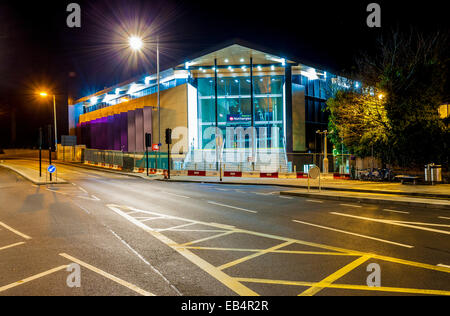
[
  {"x": 339, "y": 176},
  {"x": 302, "y": 175},
  {"x": 269, "y": 175},
  {"x": 196, "y": 173},
  {"x": 232, "y": 174}
]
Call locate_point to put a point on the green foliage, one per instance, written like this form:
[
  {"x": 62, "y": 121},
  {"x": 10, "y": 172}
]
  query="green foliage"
[{"x": 404, "y": 127}]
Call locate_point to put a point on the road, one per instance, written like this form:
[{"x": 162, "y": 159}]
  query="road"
[{"x": 131, "y": 236}]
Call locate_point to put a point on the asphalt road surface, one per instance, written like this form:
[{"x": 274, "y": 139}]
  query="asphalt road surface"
[{"x": 130, "y": 236}]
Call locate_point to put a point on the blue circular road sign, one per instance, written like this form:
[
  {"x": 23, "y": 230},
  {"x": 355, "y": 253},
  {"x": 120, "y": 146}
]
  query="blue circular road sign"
[{"x": 51, "y": 169}]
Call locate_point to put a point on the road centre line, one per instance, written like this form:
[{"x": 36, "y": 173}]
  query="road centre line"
[
  {"x": 107, "y": 275},
  {"x": 354, "y": 234},
  {"x": 177, "y": 195},
  {"x": 350, "y": 205},
  {"x": 314, "y": 201},
  {"x": 14, "y": 231},
  {"x": 146, "y": 262},
  {"x": 232, "y": 207},
  {"x": 32, "y": 278},
  {"x": 442, "y": 217},
  {"x": 394, "y": 211},
  {"x": 399, "y": 223}
]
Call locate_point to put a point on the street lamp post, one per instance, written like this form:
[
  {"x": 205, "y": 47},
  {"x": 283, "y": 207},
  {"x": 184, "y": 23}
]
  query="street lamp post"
[
  {"x": 136, "y": 44},
  {"x": 44, "y": 95},
  {"x": 325, "y": 155}
]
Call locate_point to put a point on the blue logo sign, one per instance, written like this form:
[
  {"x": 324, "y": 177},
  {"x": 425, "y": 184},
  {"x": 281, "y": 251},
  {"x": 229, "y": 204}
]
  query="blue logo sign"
[{"x": 51, "y": 169}]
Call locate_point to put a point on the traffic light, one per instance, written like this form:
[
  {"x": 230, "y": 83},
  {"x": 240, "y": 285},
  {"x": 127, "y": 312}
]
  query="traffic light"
[
  {"x": 168, "y": 136},
  {"x": 148, "y": 140}
]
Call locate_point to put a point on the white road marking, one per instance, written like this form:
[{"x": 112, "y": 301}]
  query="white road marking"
[
  {"x": 107, "y": 275},
  {"x": 394, "y": 211},
  {"x": 32, "y": 278},
  {"x": 351, "y": 205},
  {"x": 285, "y": 197},
  {"x": 400, "y": 223},
  {"x": 443, "y": 266},
  {"x": 14, "y": 231},
  {"x": 232, "y": 207},
  {"x": 82, "y": 189},
  {"x": 314, "y": 201},
  {"x": 146, "y": 262},
  {"x": 82, "y": 208},
  {"x": 354, "y": 234},
  {"x": 177, "y": 195},
  {"x": 442, "y": 217}
]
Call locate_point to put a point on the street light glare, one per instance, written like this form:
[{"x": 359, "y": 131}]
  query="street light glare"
[
  {"x": 43, "y": 94},
  {"x": 135, "y": 43}
]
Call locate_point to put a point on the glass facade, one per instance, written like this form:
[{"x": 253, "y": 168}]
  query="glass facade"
[{"x": 234, "y": 103}]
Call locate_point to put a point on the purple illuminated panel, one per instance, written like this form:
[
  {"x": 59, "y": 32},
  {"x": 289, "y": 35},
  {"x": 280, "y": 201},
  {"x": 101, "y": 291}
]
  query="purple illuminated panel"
[
  {"x": 139, "y": 119},
  {"x": 109, "y": 133},
  {"x": 131, "y": 131},
  {"x": 124, "y": 131},
  {"x": 116, "y": 132}
]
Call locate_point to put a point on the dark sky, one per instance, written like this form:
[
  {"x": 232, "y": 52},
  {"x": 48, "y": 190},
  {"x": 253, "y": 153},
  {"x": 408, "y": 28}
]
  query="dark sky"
[{"x": 37, "y": 49}]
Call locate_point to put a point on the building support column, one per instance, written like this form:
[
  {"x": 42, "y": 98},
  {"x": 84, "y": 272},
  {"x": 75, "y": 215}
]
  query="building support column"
[
  {"x": 216, "y": 112},
  {"x": 252, "y": 107},
  {"x": 288, "y": 97}
]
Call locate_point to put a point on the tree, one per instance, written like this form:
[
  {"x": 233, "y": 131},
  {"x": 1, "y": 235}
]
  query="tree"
[
  {"x": 359, "y": 120},
  {"x": 410, "y": 70}
]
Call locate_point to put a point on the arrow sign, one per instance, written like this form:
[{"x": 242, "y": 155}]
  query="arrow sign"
[{"x": 51, "y": 169}]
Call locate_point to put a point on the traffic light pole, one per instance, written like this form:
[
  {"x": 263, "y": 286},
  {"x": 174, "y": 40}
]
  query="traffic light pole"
[
  {"x": 40, "y": 151},
  {"x": 50, "y": 147}
]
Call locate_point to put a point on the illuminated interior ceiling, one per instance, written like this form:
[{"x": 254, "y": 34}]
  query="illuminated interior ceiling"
[{"x": 236, "y": 55}]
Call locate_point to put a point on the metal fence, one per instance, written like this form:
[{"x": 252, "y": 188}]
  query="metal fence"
[
  {"x": 130, "y": 161},
  {"x": 336, "y": 164}
]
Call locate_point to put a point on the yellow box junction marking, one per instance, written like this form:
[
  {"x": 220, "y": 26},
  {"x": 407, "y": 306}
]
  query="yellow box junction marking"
[
  {"x": 335, "y": 276},
  {"x": 235, "y": 283}
]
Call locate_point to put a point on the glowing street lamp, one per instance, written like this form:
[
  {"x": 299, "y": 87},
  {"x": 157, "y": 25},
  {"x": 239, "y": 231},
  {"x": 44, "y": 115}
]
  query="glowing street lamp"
[
  {"x": 381, "y": 96},
  {"x": 44, "y": 94},
  {"x": 135, "y": 43}
]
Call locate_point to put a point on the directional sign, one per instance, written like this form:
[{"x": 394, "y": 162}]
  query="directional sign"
[{"x": 51, "y": 169}]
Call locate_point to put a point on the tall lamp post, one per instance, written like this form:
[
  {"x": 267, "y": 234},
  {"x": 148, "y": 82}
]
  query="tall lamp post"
[
  {"x": 136, "y": 44},
  {"x": 44, "y": 95}
]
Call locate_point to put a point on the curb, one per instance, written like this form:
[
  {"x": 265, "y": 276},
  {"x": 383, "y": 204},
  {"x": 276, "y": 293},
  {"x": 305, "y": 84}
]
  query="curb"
[
  {"x": 367, "y": 200},
  {"x": 411, "y": 194},
  {"x": 26, "y": 177}
]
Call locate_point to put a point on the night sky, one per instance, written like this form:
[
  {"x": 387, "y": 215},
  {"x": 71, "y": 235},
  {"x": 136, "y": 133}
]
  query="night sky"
[{"x": 38, "y": 50}]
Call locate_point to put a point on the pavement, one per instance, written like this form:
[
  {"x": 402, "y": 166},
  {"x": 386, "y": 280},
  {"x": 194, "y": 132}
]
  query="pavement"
[
  {"x": 133, "y": 236},
  {"x": 425, "y": 196},
  {"x": 31, "y": 172}
]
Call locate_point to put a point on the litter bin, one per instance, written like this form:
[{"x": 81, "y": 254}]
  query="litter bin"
[{"x": 433, "y": 173}]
